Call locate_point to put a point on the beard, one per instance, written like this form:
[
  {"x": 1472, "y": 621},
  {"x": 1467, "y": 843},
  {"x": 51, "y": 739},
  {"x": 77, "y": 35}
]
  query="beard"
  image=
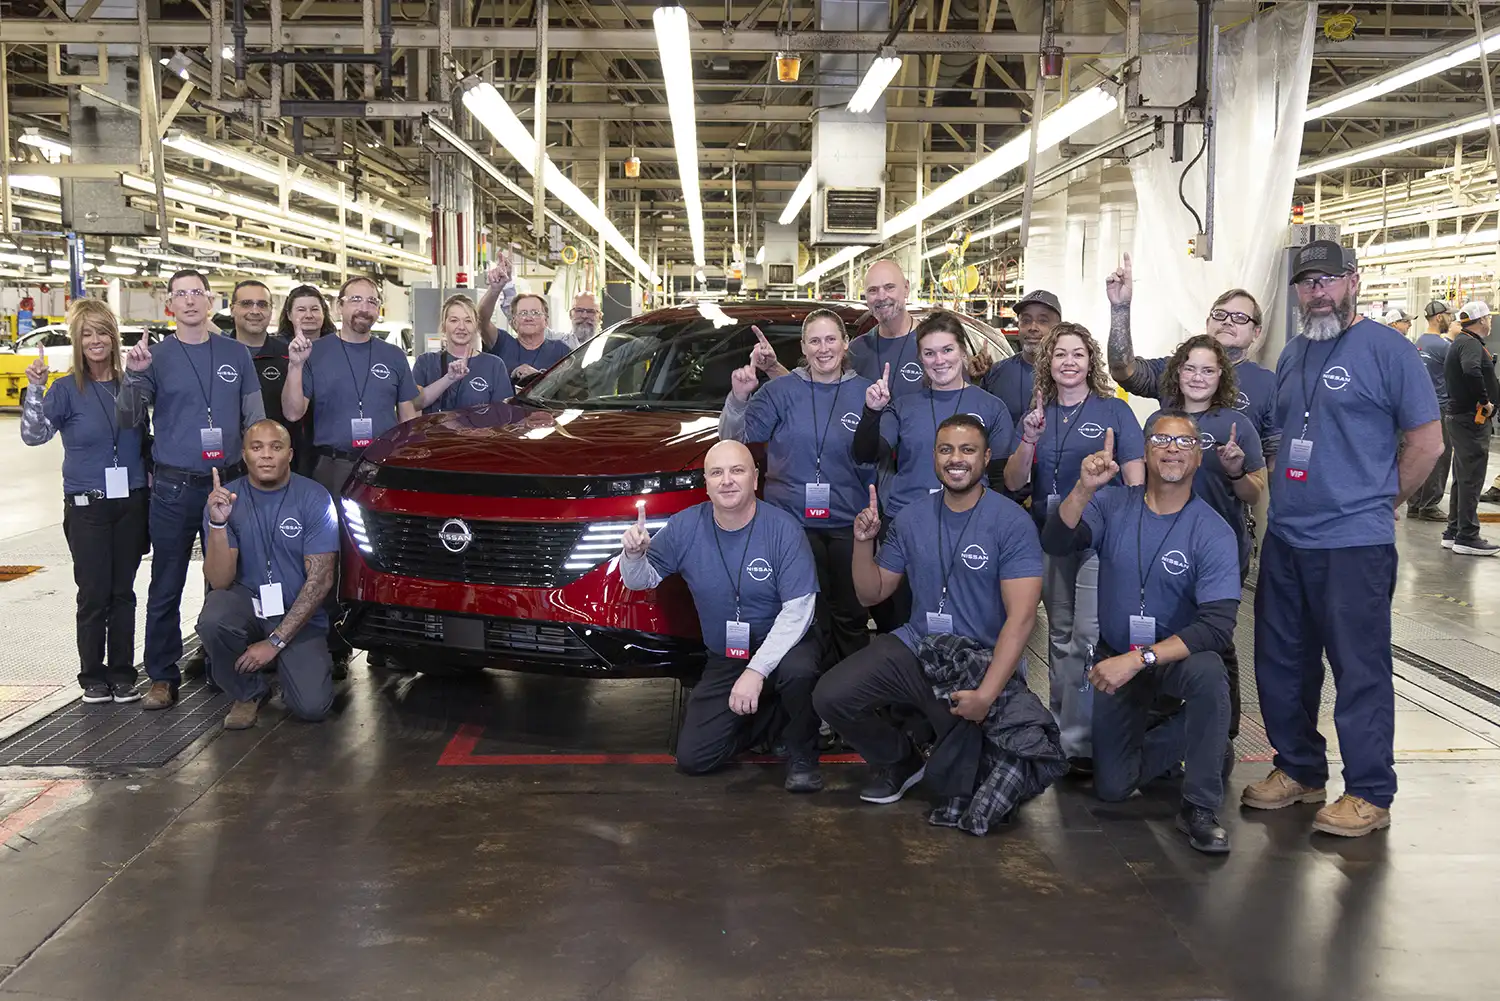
[
  {"x": 1326, "y": 327},
  {"x": 583, "y": 330}
]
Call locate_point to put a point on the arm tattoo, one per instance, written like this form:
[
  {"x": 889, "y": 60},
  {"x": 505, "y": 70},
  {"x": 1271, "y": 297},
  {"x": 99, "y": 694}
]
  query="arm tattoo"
[
  {"x": 1121, "y": 352},
  {"x": 320, "y": 567}
]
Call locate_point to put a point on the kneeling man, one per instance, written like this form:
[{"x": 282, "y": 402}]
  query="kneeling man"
[
  {"x": 272, "y": 543},
  {"x": 1169, "y": 592},
  {"x": 751, "y": 574}
]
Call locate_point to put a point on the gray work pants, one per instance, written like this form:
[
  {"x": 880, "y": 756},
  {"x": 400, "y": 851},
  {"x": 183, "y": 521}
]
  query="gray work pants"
[
  {"x": 228, "y": 626},
  {"x": 1070, "y": 593}
]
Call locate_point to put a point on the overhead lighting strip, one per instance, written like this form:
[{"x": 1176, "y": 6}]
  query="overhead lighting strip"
[
  {"x": 800, "y": 194},
  {"x": 1411, "y": 140},
  {"x": 1429, "y": 65},
  {"x": 675, "y": 48},
  {"x": 838, "y": 260},
  {"x": 877, "y": 78}
]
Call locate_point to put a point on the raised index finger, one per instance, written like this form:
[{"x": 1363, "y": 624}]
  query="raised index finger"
[
  {"x": 886, "y": 375},
  {"x": 1233, "y": 432},
  {"x": 874, "y": 501},
  {"x": 1109, "y": 442},
  {"x": 759, "y": 336},
  {"x": 640, "y": 514},
  {"x": 1125, "y": 266},
  {"x": 216, "y": 477}
]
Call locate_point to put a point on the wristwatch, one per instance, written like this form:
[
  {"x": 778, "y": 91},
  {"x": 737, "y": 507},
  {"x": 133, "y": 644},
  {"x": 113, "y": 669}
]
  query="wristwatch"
[
  {"x": 280, "y": 644},
  {"x": 1148, "y": 656}
]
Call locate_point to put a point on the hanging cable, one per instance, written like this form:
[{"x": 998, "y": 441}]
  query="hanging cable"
[{"x": 1181, "y": 196}]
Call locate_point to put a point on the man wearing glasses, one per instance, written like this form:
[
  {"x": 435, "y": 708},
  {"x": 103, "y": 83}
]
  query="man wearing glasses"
[
  {"x": 584, "y": 316},
  {"x": 1169, "y": 594},
  {"x": 204, "y": 393},
  {"x": 1362, "y": 430}
]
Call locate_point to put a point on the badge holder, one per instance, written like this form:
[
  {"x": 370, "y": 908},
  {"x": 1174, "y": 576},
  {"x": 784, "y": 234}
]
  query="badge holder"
[
  {"x": 737, "y": 639},
  {"x": 212, "y": 441},
  {"x": 817, "y": 500},
  {"x": 1298, "y": 458},
  {"x": 1142, "y": 631},
  {"x": 116, "y": 482},
  {"x": 361, "y": 431},
  {"x": 940, "y": 621}
]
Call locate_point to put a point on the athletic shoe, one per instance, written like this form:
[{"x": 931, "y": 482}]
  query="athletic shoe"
[
  {"x": 1491, "y": 496},
  {"x": 1476, "y": 547},
  {"x": 1447, "y": 543},
  {"x": 1202, "y": 829},
  {"x": 802, "y": 775},
  {"x": 124, "y": 693},
  {"x": 96, "y": 693},
  {"x": 890, "y": 782}
]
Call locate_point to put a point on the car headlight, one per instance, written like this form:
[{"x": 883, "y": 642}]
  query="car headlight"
[
  {"x": 601, "y": 541},
  {"x": 354, "y": 520}
]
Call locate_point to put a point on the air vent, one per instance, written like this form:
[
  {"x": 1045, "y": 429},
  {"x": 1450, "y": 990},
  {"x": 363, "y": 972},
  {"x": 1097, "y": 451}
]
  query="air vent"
[
  {"x": 780, "y": 274},
  {"x": 852, "y": 210}
]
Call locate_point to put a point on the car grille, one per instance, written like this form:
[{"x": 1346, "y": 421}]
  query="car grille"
[
  {"x": 520, "y": 640},
  {"x": 503, "y": 553}
]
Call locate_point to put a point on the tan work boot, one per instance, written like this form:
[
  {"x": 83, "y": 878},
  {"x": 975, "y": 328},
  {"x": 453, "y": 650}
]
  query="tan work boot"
[
  {"x": 1278, "y": 791},
  {"x": 1351, "y": 817},
  {"x": 161, "y": 695},
  {"x": 242, "y": 715}
]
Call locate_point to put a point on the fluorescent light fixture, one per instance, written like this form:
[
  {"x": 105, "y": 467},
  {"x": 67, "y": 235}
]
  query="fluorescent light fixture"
[
  {"x": 760, "y": 255},
  {"x": 227, "y": 52},
  {"x": 817, "y": 271},
  {"x": 60, "y": 263},
  {"x": 1437, "y": 133},
  {"x": 676, "y": 50},
  {"x": 46, "y": 144},
  {"x": 39, "y": 183},
  {"x": 233, "y": 159},
  {"x": 1429, "y": 65},
  {"x": 489, "y": 108},
  {"x": 1014, "y": 222},
  {"x": 800, "y": 194},
  {"x": 877, "y": 78},
  {"x": 21, "y": 259},
  {"x": 1082, "y": 111},
  {"x": 115, "y": 269}
]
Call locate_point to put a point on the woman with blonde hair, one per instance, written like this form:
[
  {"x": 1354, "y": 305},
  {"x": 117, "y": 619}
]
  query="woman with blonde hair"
[
  {"x": 104, "y": 495},
  {"x": 461, "y": 374}
]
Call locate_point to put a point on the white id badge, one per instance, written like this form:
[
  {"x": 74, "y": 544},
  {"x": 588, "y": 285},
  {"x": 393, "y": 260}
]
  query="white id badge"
[
  {"x": 816, "y": 504},
  {"x": 737, "y": 640},
  {"x": 116, "y": 482},
  {"x": 1298, "y": 457},
  {"x": 939, "y": 622},
  {"x": 212, "y": 440},
  {"x": 361, "y": 431},
  {"x": 1142, "y": 631},
  {"x": 1052, "y": 501},
  {"x": 80, "y": 500},
  {"x": 270, "y": 601}
]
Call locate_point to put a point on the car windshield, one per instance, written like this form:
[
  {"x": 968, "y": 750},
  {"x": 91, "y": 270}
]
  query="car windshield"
[{"x": 676, "y": 364}]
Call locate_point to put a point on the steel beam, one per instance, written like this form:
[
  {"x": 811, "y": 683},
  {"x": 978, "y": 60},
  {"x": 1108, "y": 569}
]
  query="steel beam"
[{"x": 747, "y": 112}]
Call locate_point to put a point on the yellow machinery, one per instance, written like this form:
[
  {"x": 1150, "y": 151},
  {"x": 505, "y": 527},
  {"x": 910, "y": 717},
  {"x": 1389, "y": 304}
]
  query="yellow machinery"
[{"x": 13, "y": 378}]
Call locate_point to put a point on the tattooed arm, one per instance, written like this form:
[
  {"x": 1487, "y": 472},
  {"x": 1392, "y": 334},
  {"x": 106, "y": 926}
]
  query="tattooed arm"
[
  {"x": 1119, "y": 287},
  {"x": 320, "y": 567}
]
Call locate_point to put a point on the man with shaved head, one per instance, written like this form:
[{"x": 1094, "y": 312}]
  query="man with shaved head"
[
  {"x": 750, "y": 571},
  {"x": 272, "y": 543},
  {"x": 890, "y": 343}
]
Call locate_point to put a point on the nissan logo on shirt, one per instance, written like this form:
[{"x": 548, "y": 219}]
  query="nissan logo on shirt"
[
  {"x": 1206, "y": 439},
  {"x": 271, "y": 374},
  {"x": 911, "y": 372},
  {"x": 1174, "y": 562},
  {"x": 1242, "y": 402},
  {"x": 1091, "y": 430},
  {"x": 478, "y": 384},
  {"x": 455, "y": 535},
  {"x": 758, "y": 569},
  {"x": 981, "y": 420},
  {"x": 974, "y": 557},
  {"x": 850, "y": 422},
  {"x": 290, "y": 527},
  {"x": 229, "y": 373},
  {"x": 1336, "y": 377},
  {"x": 379, "y": 371}
]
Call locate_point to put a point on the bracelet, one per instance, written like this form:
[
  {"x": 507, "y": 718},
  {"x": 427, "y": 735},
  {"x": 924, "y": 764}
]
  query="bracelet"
[
  {"x": 217, "y": 524},
  {"x": 1239, "y": 477}
]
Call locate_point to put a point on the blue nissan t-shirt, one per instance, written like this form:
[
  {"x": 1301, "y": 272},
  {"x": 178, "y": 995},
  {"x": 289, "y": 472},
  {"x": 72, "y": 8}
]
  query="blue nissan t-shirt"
[
  {"x": 355, "y": 380},
  {"x": 1012, "y": 380},
  {"x": 909, "y": 425},
  {"x": 975, "y": 550},
  {"x": 1073, "y": 433},
  {"x": 541, "y": 357},
  {"x": 1255, "y": 395},
  {"x": 283, "y": 527},
  {"x": 1185, "y": 560},
  {"x": 871, "y": 353},
  {"x": 1211, "y": 482},
  {"x": 1364, "y": 389},
  {"x": 92, "y": 437},
  {"x": 1434, "y": 351},
  {"x": 187, "y": 381},
  {"x": 768, "y": 561},
  {"x": 808, "y": 428},
  {"x": 487, "y": 381}
]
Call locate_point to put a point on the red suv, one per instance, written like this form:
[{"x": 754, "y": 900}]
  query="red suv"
[{"x": 487, "y": 537}]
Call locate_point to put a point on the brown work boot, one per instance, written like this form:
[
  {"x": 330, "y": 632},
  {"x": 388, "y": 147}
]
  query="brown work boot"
[
  {"x": 1351, "y": 817},
  {"x": 161, "y": 695},
  {"x": 1278, "y": 791},
  {"x": 242, "y": 715}
]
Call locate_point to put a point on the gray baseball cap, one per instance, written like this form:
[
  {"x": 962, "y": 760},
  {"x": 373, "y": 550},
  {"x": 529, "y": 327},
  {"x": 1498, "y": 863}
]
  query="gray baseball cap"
[{"x": 1040, "y": 296}]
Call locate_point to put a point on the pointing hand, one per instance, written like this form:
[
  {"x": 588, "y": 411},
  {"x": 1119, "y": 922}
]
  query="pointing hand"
[
  {"x": 1035, "y": 421},
  {"x": 867, "y": 522},
  {"x": 1120, "y": 285},
  {"x": 878, "y": 396},
  {"x": 37, "y": 371},
  {"x": 1098, "y": 469},
  {"x": 1231, "y": 456},
  {"x": 744, "y": 382},
  {"x": 220, "y": 501},
  {"x": 636, "y": 539},
  {"x": 762, "y": 356},
  {"x": 138, "y": 358},
  {"x": 298, "y": 350}
]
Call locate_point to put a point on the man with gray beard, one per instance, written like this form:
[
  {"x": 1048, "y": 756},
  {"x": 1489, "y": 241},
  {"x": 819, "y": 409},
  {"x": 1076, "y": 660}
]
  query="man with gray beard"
[{"x": 1361, "y": 435}]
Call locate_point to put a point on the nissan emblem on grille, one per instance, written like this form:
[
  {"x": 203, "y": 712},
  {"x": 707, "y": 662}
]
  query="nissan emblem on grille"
[{"x": 455, "y": 535}]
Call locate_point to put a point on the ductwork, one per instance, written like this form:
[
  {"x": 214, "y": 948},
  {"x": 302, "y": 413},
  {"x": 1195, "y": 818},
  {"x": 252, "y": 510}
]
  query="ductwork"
[{"x": 848, "y": 151}]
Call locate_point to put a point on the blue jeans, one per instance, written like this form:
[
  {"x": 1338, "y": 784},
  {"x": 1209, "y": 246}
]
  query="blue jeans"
[
  {"x": 176, "y": 520},
  {"x": 1338, "y": 601}
]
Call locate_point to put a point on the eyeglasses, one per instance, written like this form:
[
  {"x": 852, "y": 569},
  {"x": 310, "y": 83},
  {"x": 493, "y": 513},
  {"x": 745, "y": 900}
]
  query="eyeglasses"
[
  {"x": 530, "y": 314},
  {"x": 1319, "y": 282},
  {"x": 581, "y": 311},
  {"x": 1207, "y": 371},
  {"x": 1235, "y": 317},
  {"x": 253, "y": 303},
  {"x": 362, "y": 300},
  {"x": 1182, "y": 441},
  {"x": 189, "y": 293}
]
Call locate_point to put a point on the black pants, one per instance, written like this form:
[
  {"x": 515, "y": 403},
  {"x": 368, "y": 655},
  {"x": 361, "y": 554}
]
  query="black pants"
[
  {"x": 1471, "y": 456},
  {"x": 712, "y": 733},
  {"x": 331, "y": 473},
  {"x": 228, "y": 626},
  {"x": 841, "y": 623},
  {"x": 885, "y": 674},
  {"x": 107, "y": 539},
  {"x": 1431, "y": 492}
]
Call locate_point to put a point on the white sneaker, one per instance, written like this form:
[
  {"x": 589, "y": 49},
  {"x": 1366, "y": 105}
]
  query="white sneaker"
[
  {"x": 1447, "y": 543},
  {"x": 1476, "y": 547}
]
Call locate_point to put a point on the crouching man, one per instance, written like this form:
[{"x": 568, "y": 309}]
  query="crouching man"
[
  {"x": 1169, "y": 591},
  {"x": 750, "y": 571},
  {"x": 272, "y": 542}
]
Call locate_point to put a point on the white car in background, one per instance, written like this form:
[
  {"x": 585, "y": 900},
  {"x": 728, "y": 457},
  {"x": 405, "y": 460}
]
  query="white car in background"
[
  {"x": 54, "y": 339},
  {"x": 397, "y": 332}
]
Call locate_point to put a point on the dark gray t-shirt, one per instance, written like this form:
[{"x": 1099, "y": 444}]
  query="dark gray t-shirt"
[
  {"x": 192, "y": 387},
  {"x": 487, "y": 381},
  {"x": 355, "y": 380},
  {"x": 91, "y": 433}
]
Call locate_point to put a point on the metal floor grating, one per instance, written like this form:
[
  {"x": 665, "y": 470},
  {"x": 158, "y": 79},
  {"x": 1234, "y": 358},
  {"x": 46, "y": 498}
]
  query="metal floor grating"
[{"x": 117, "y": 735}]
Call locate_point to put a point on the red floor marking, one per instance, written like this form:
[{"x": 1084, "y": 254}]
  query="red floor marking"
[
  {"x": 460, "y": 751},
  {"x": 50, "y": 799}
]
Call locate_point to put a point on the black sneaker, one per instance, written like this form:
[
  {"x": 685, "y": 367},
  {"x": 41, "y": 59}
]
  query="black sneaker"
[
  {"x": 1491, "y": 496},
  {"x": 1475, "y": 547},
  {"x": 1202, "y": 829},
  {"x": 1081, "y": 768},
  {"x": 376, "y": 658},
  {"x": 341, "y": 667},
  {"x": 126, "y": 693},
  {"x": 97, "y": 693},
  {"x": 889, "y": 783},
  {"x": 802, "y": 775}
]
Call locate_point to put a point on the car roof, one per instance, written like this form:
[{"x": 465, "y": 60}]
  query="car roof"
[{"x": 767, "y": 310}]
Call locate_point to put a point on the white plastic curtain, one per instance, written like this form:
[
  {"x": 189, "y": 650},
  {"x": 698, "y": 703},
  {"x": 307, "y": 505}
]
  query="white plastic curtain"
[{"x": 1261, "y": 80}]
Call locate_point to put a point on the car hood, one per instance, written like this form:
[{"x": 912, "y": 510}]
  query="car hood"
[{"x": 508, "y": 438}]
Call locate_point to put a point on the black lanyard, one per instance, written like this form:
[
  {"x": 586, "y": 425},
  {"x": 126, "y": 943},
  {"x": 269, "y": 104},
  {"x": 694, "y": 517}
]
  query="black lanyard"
[
  {"x": 821, "y": 440},
  {"x": 369, "y": 367},
  {"x": 932, "y": 406},
  {"x": 1310, "y": 393},
  {"x": 109, "y": 417},
  {"x": 1062, "y": 438},
  {"x": 269, "y": 535},
  {"x": 443, "y": 403},
  {"x": 900, "y": 354},
  {"x": 734, "y": 579},
  {"x": 947, "y": 568},
  {"x": 1144, "y": 569},
  {"x": 208, "y": 402}
]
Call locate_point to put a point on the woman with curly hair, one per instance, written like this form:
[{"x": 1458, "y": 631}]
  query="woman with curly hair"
[{"x": 1071, "y": 409}]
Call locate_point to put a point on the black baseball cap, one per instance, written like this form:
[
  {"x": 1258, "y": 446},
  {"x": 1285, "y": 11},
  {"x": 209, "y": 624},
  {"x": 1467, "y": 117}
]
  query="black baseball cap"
[
  {"x": 1437, "y": 307},
  {"x": 1039, "y": 296},
  {"x": 1325, "y": 256}
]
